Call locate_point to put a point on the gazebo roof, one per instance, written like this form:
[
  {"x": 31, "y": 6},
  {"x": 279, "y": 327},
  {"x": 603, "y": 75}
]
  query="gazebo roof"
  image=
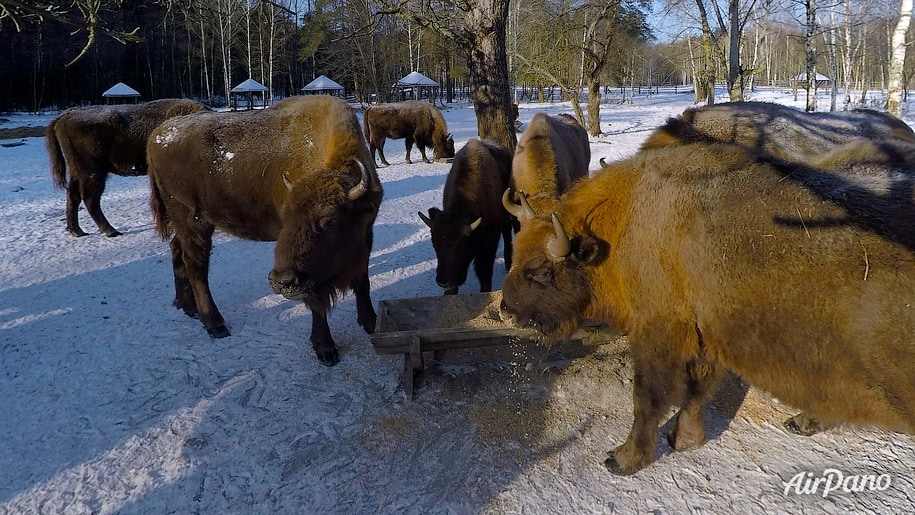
[
  {"x": 322, "y": 83},
  {"x": 121, "y": 90},
  {"x": 819, "y": 77},
  {"x": 249, "y": 86},
  {"x": 414, "y": 79}
]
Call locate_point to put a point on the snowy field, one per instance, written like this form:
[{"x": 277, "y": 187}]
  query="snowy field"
[{"x": 114, "y": 402}]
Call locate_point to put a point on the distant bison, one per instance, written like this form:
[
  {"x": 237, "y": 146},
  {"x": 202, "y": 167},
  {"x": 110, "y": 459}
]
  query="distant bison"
[
  {"x": 798, "y": 278},
  {"x": 91, "y": 142},
  {"x": 776, "y": 130},
  {"x": 472, "y": 219},
  {"x": 417, "y": 121},
  {"x": 552, "y": 153},
  {"x": 298, "y": 173}
]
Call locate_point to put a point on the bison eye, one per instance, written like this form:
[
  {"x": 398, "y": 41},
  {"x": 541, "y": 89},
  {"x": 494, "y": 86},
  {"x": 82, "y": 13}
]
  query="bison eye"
[{"x": 542, "y": 276}]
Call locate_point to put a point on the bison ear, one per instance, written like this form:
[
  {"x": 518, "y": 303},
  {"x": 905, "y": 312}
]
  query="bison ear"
[{"x": 588, "y": 250}]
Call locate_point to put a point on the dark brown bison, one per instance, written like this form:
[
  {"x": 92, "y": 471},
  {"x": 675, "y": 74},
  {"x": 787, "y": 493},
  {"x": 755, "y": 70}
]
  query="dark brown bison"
[
  {"x": 799, "y": 279},
  {"x": 417, "y": 121},
  {"x": 298, "y": 173},
  {"x": 552, "y": 153},
  {"x": 88, "y": 143},
  {"x": 779, "y": 131},
  {"x": 472, "y": 219}
]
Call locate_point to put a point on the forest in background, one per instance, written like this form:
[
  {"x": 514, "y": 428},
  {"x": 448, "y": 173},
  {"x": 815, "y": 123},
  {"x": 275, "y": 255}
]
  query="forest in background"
[{"x": 58, "y": 54}]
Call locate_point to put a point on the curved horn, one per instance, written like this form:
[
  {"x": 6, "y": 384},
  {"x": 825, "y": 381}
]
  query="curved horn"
[
  {"x": 603, "y": 163},
  {"x": 521, "y": 211},
  {"x": 476, "y": 223},
  {"x": 426, "y": 220},
  {"x": 358, "y": 190},
  {"x": 286, "y": 182},
  {"x": 558, "y": 246}
]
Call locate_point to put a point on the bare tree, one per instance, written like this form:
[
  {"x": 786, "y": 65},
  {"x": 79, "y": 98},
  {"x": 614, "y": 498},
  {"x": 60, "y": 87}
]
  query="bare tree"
[{"x": 897, "y": 64}]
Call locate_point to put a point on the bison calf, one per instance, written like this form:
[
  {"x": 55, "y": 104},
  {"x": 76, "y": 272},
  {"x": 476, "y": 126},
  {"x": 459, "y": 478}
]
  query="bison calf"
[
  {"x": 472, "y": 219},
  {"x": 88, "y": 143},
  {"x": 797, "y": 278},
  {"x": 298, "y": 173},
  {"x": 417, "y": 121}
]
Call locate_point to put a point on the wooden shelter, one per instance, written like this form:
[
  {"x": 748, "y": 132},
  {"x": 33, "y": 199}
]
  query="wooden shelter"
[
  {"x": 820, "y": 81},
  {"x": 414, "y": 84},
  {"x": 248, "y": 89},
  {"x": 323, "y": 86},
  {"x": 120, "y": 91}
]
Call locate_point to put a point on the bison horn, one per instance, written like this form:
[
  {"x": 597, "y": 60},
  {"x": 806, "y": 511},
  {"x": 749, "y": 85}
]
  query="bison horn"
[
  {"x": 603, "y": 163},
  {"x": 523, "y": 211},
  {"x": 476, "y": 223},
  {"x": 558, "y": 246},
  {"x": 426, "y": 220},
  {"x": 287, "y": 182},
  {"x": 358, "y": 190}
]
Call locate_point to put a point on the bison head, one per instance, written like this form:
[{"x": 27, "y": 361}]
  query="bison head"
[
  {"x": 326, "y": 221},
  {"x": 548, "y": 287},
  {"x": 452, "y": 240},
  {"x": 444, "y": 149}
]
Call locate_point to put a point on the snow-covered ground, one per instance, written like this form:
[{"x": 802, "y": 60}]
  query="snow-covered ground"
[{"x": 113, "y": 401}]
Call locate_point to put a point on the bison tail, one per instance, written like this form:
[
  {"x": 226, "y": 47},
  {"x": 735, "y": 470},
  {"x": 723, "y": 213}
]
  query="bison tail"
[
  {"x": 157, "y": 205},
  {"x": 56, "y": 157}
]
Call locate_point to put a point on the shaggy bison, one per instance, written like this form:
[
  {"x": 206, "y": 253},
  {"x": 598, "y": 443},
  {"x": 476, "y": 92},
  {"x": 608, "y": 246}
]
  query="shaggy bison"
[
  {"x": 797, "y": 278},
  {"x": 88, "y": 143},
  {"x": 298, "y": 173},
  {"x": 472, "y": 219},
  {"x": 417, "y": 121},
  {"x": 553, "y": 152},
  {"x": 776, "y": 130}
]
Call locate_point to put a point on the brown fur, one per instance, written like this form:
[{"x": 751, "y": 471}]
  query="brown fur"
[
  {"x": 799, "y": 279},
  {"x": 418, "y": 121},
  {"x": 553, "y": 153},
  {"x": 229, "y": 171},
  {"x": 91, "y": 142},
  {"x": 776, "y": 130},
  {"x": 480, "y": 173}
]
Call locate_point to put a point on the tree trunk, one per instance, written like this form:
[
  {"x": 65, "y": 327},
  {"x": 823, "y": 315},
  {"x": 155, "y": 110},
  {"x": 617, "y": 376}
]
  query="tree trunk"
[
  {"x": 708, "y": 54},
  {"x": 810, "y": 54},
  {"x": 735, "y": 76},
  {"x": 488, "y": 64},
  {"x": 834, "y": 63},
  {"x": 594, "y": 106},
  {"x": 897, "y": 65}
]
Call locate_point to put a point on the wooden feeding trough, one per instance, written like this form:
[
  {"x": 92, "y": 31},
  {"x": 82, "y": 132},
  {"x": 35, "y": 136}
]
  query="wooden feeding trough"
[{"x": 416, "y": 326}]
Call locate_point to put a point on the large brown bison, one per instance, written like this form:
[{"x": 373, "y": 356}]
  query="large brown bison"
[
  {"x": 472, "y": 220},
  {"x": 799, "y": 279},
  {"x": 776, "y": 130},
  {"x": 552, "y": 153},
  {"x": 417, "y": 121},
  {"x": 88, "y": 143},
  {"x": 298, "y": 173}
]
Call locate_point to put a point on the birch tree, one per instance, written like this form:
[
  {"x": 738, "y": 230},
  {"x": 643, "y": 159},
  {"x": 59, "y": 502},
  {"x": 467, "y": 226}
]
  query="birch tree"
[{"x": 897, "y": 64}]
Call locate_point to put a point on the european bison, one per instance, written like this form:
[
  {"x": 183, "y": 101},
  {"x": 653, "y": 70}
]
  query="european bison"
[
  {"x": 91, "y": 142},
  {"x": 797, "y": 278},
  {"x": 417, "y": 121},
  {"x": 298, "y": 173},
  {"x": 552, "y": 153},
  {"x": 779, "y": 131},
  {"x": 472, "y": 219}
]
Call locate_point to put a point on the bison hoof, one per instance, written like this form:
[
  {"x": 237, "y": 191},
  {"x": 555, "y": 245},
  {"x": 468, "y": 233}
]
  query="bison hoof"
[
  {"x": 368, "y": 324},
  {"x": 113, "y": 233},
  {"x": 450, "y": 291},
  {"x": 218, "y": 332},
  {"x": 327, "y": 357},
  {"x": 616, "y": 468},
  {"x": 680, "y": 440},
  {"x": 803, "y": 424},
  {"x": 619, "y": 463},
  {"x": 77, "y": 233}
]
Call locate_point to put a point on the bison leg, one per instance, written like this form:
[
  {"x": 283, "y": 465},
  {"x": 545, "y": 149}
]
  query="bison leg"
[
  {"x": 804, "y": 425},
  {"x": 92, "y": 187},
  {"x": 365, "y": 313},
  {"x": 196, "y": 240},
  {"x": 659, "y": 382},
  {"x": 380, "y": 148},
  {"x": 422, "y": 151},
  {"x": 485, "y": 258},
  {"x": 184, "y": 294},
  {"x": 507, "y": 247},
  {"x": 703, "y": 378},
  {"x": 409, "y": 143},
  {"x": 322, "y": 341},
  {"x": 73, "y": 200}
]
